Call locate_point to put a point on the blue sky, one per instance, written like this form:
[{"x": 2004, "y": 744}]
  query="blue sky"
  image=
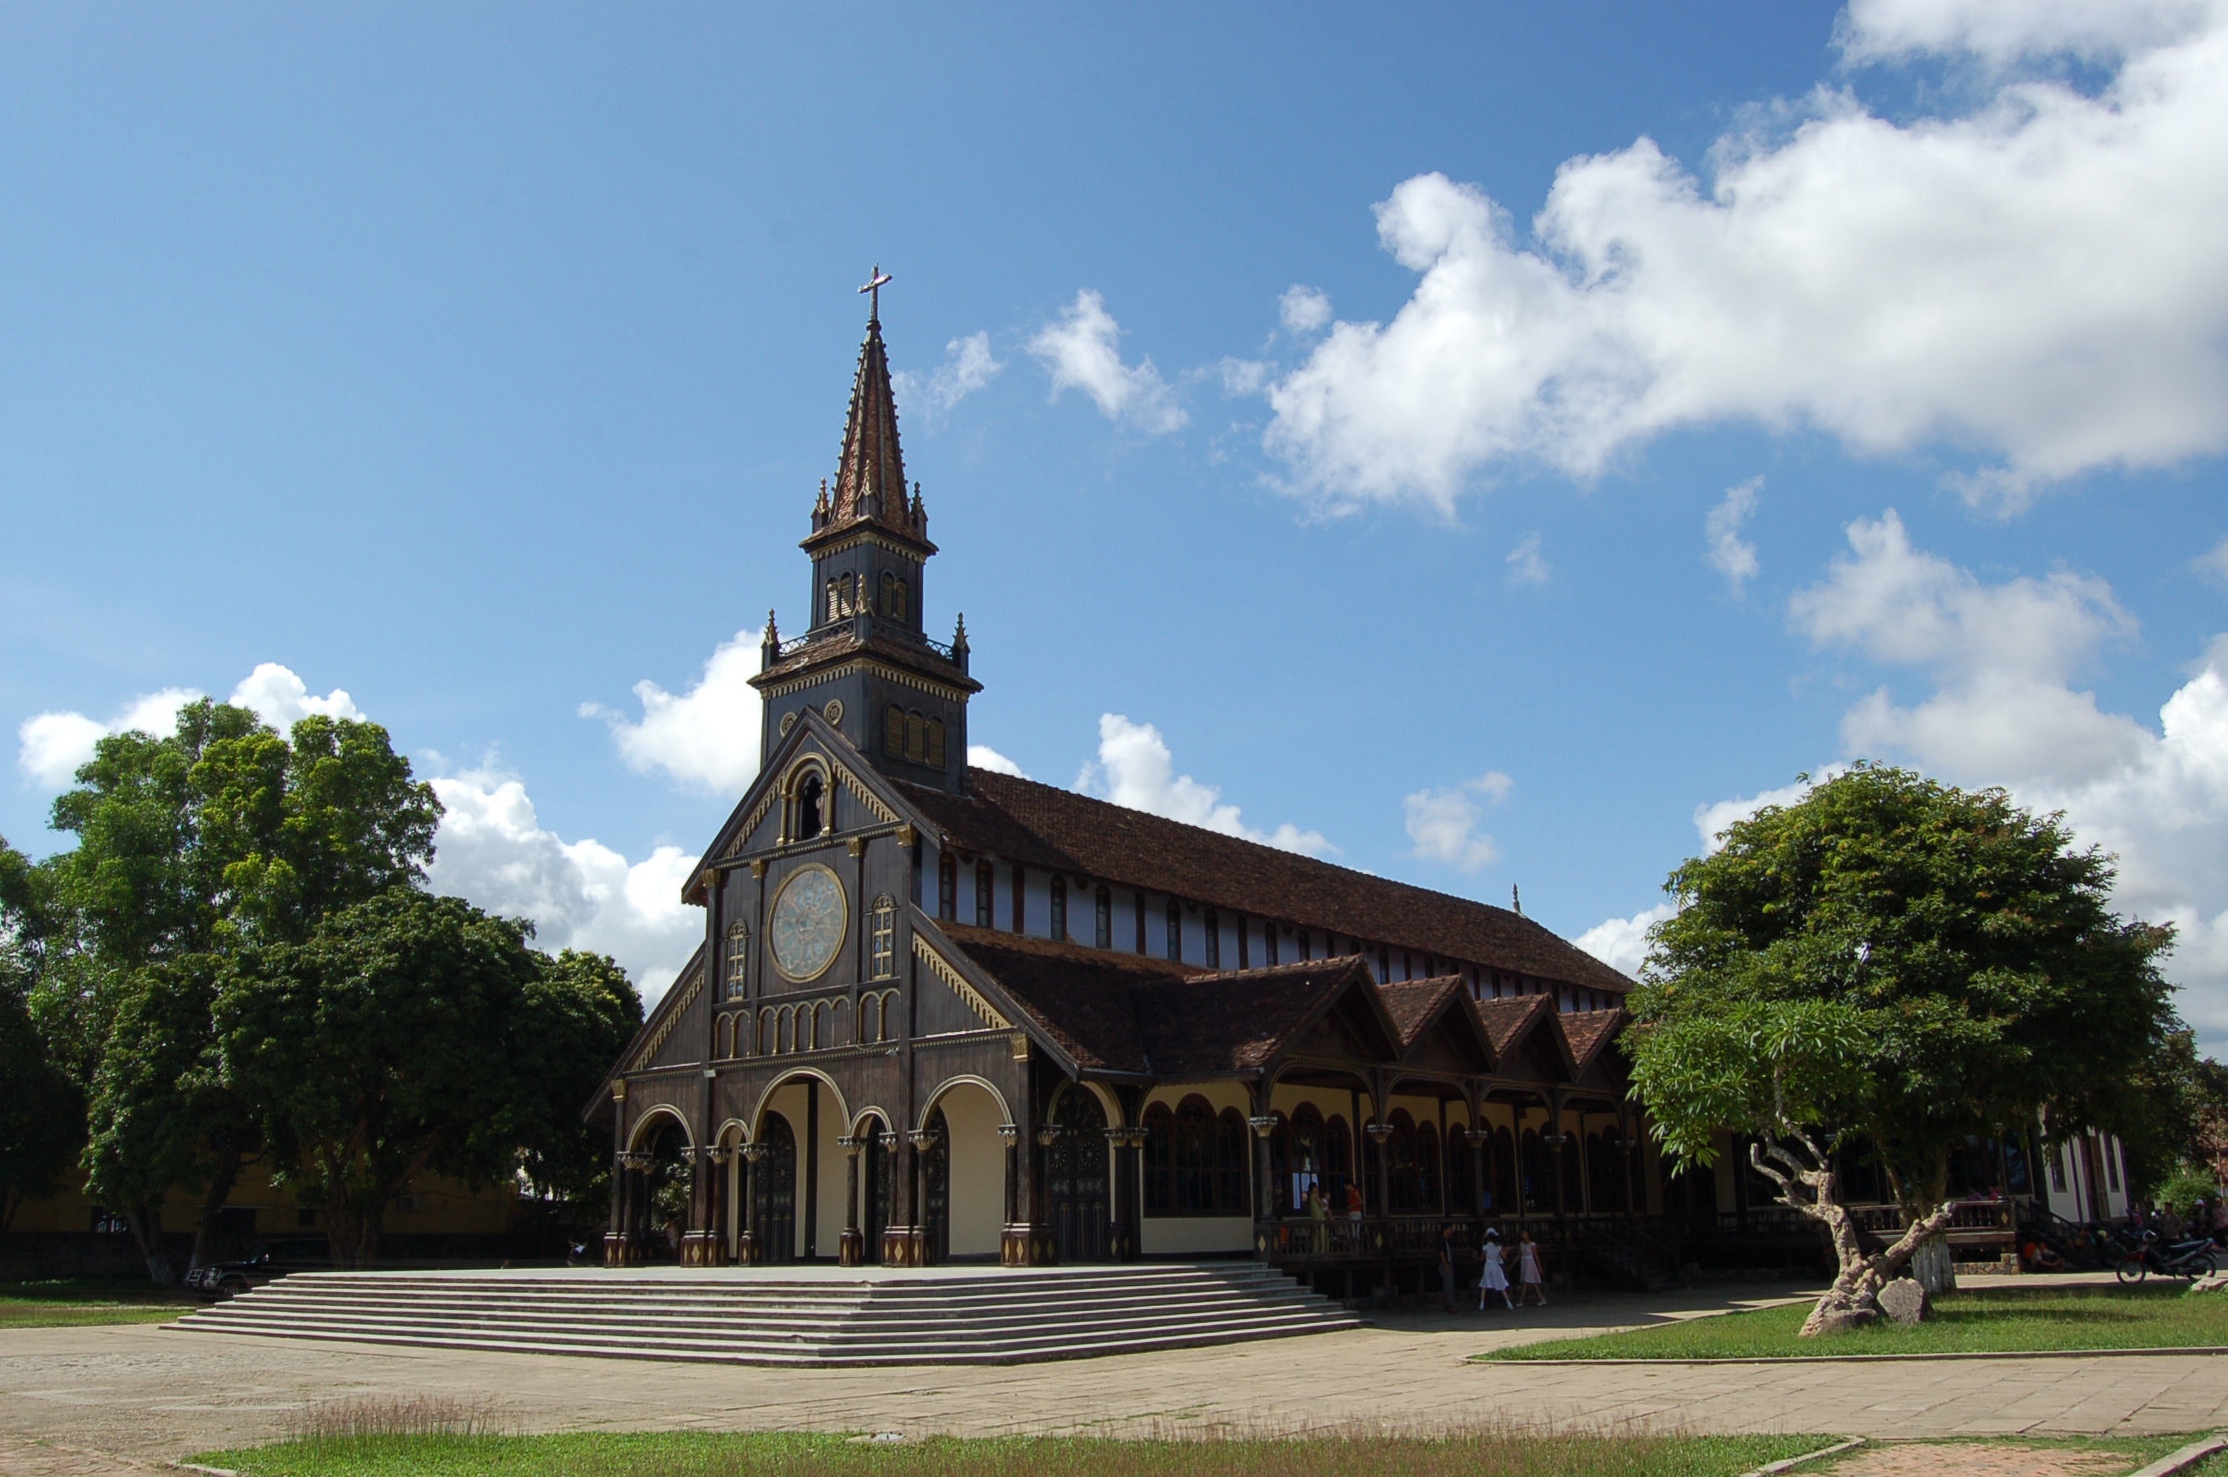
[{"x": 1478, "y": 439}]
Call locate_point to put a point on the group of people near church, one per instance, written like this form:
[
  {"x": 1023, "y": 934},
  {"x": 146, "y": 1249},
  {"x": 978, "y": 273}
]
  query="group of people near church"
[{"x": 1493, "y": 1280}]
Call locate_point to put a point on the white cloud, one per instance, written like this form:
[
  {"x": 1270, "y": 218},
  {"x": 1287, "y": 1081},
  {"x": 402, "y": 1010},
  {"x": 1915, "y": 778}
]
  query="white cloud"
[
  {"x": 2001, "y": 712},
  {"x": 282, "y": 699},
  {"x": 1622, "y": 943},
  {"x": 2000, "y": 656},
  {"x": 1712, "y": 820},
  {"x": 2041, "y": 280},
  {"x": 1527, "y": 566},
  {"x": 707, "y": 737},
  {"x": 491, "y": 850},
  {"x": 51, "y": 747},
  {"x": 982, "y": 756},
  {"x": 1081, "y": 352},
  {"x": 1443, "y": 824},
  {"x": 1136, "y": 769},
  {"x": 2214, "y": 561},
  {"x": 1303, "y": 309},
  {"x": 1241, "y": 376},
  {"x": 968, "y": 366},
  {"x": 1730, "y": 554}
]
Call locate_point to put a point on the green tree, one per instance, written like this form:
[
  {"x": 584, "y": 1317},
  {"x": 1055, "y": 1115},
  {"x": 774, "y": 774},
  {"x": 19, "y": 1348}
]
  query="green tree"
[
  {"x": 191, "y": 846},
  {"x": 585, "y": 1011},
  {"x": 1900, "y": 963},
  {"x": 42, "y": 1117},
  {"x": 413, "y": 1034}
]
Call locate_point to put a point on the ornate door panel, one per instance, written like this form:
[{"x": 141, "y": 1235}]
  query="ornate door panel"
[{"x": 1075, "y": 1178}]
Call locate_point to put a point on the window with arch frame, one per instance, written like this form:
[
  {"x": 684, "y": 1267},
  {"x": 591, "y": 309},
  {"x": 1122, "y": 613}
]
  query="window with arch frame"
[
  {"x": 1268, "y": 942},
  {"x": 947, "y": 889},
  {"x": 1059, "y": 929},
  {"x": 1175, "y": 930},
  {"x": 1211, "y": 925},
  {"x": 1104, "y": 935},
  {"x": 986, "y": 895}
]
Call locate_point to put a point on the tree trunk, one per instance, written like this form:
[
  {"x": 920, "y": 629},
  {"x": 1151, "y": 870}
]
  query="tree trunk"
[
  {"x": 145, "y": 1220},
  {"x": 356, "y": 1227},
  {"x": 225, "y": 1174},
  {"x": 1932, "y": 1265},
  {"x": 1852, "y": 1301}
]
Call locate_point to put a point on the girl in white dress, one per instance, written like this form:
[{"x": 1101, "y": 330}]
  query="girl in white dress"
[
  {"x": 1496, "y": 1279},
  {"x": 1528, "y": 1271}
]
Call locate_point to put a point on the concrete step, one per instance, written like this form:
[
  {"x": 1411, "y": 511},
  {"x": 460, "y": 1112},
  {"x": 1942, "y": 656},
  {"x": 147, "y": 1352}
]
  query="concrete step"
[{"x": 998, "y": 1317}]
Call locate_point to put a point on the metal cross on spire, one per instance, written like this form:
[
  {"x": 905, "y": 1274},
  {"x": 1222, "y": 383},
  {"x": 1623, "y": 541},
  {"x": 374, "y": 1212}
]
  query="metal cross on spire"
[{"x": 876, "y": 281}]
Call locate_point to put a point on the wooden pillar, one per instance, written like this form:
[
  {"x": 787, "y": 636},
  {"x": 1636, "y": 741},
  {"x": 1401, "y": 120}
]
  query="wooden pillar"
[
  {"x": 902, "y": 1238},
  {"x": 1122, "y": 1147},
  {"x": 751, "y": 1247},
  {"x": 1265, "y": 1227},
  {"x": 811, "y": 1207}
]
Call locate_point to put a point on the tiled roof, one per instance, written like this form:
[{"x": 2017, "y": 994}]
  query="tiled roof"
[
  {"x": 1131, "y": 1013},
  {"x": 1507, "y": 1019},
  {"x": 1414, "y": 1002},
  {"x": 1588, "y": 1031},
  {"x": 1042, "y": 826}
]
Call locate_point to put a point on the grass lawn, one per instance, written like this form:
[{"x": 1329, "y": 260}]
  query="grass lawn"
[
  {"x": 1998, "y": 1320},
  {"x": 62, "y": 1303},
  {"x": 687, "y": 1454}
]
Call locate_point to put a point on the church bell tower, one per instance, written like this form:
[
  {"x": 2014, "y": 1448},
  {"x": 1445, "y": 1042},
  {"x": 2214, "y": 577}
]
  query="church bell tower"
[{"x": 866, "y": 663}]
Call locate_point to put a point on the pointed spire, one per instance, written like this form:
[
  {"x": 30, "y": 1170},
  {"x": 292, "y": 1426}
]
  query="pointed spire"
[{"x": 870, "y": 477}]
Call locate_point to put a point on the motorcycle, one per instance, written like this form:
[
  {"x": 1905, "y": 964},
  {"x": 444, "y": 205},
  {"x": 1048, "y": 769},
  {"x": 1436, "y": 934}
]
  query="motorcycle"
[{"x": 2191, "y": 1258}]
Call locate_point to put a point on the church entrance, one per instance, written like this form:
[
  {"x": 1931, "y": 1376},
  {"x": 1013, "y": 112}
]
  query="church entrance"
[
  {"x": 878, "y": 1167},
  {"x": 1075, "y": 1178},
  {"x": 936, "y": 1187},
  {"x": 774, "y": 1183}
]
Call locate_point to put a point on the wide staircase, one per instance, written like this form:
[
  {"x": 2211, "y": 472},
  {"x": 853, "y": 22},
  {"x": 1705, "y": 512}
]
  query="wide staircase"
[
  {"x": 997, "y": 1317},
  {"x": 1629, "y": 1257}
]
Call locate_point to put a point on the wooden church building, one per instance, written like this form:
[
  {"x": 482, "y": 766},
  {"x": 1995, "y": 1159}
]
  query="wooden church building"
[{"x": 942, "y": 1013}]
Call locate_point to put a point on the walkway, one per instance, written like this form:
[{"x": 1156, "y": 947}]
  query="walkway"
[{"x": 142, "y": 1392}]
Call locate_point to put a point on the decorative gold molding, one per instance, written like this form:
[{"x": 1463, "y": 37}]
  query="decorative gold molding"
[
  {"x": 867, "y": 797},
  {"x": 742, "y": 837},
  {"x": 882, "y": 669},
  {"x": 672, "y": 1018},
  {"x": 941, "y": 967}
]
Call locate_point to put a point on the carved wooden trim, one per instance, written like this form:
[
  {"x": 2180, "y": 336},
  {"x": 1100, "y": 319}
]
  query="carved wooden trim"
[
  {"x": 689, "y": 992},
  {"x": 941, "y": 967},
  {"x": 867, "y": 797}
]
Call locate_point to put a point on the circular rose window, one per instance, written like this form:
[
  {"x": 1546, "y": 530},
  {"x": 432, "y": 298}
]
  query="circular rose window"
[{"x": 807, "y": 926}]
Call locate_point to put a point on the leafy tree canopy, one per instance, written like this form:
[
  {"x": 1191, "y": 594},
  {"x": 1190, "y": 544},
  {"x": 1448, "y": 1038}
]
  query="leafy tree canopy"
[
  {"x": 1947, "y": 962},
  {"x": 41, "y": 1114},
  {"x": 411, "y": 1033}
]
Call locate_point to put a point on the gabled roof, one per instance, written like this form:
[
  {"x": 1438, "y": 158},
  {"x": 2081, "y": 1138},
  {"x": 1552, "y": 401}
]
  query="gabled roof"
[
  {"x": 1588, "y": 1033},
  {"x": 1131, "y": 1013},
  {"x": 655, "y": 1026},
  {"x": 1042, "y": 826},
  {"x": 870, "y": 470},
  {"x": 1421, "y": 1005},
  {"x": 1510, "y": 1019}
]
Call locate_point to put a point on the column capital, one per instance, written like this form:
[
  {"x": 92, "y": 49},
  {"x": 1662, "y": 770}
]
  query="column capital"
[{"x": 1262, "y": 1124}]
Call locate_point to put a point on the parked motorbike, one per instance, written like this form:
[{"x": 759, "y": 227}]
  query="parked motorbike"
[{"x": 2192, "y": 1258}]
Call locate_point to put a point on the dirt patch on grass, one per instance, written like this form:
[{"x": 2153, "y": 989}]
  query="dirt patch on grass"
[{"x": 1965, "y": 1459}]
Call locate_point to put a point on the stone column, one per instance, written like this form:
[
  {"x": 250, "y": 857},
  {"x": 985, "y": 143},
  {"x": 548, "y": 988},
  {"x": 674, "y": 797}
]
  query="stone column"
[
  {"x": 852, "y": 1250},
  {"x": 900, "y": 1241}
]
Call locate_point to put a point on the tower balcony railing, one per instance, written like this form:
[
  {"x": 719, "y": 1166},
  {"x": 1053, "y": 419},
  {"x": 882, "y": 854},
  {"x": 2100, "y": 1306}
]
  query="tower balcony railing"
[{"x": 840, "y": 626}]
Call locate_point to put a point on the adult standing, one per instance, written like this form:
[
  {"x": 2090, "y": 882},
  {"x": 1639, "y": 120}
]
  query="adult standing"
[{"x": 1446, "y": 1269}]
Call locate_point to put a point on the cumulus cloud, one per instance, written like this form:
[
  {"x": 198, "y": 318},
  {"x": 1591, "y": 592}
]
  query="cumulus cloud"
[
  {"x": 1622, "y": 943},
  {"x": 707, "y": 737},
  {"x": 1135, "y": 768},
  {"x": 1303, "y": 309},
  {"x": 982, "y": 756},
  {"x": 1527, "y": 565},
  {"x": 2040, "y": 280},
  {"x": 2214, "y": 561},
  {"x": 51, "y": 747},
  {"x": 1729, "y": 553},
  {"x": 2000, "y": 656},
  {"x": 968, "y": 366},
  {"x": 492, "y": 850},
  {"x": 1443, "y": 824},
  {"x": 1081, "y": 352},
  {"x": 1713, "y": 819}
]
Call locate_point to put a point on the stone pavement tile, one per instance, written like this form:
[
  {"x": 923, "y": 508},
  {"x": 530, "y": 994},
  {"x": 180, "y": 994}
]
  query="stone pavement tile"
[{"x": 1918, "y": 1459}]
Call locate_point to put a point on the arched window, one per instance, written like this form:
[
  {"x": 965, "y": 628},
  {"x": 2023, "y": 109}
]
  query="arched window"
[
  {"x": 1020, "y": 899},
  {"x": 1406, "y": 1169},
  {"x": 1338, "y": 1161},
  {"x": 738, "y": 959},
  {"x": 1195, "y": 1157},
  {"x": 835, "y": 602},
  {"x": 1059, "y": 928},
  {"x": 1268, "y": 942},
  {"x": 1213, "y": 927},
  {"x": 870, "y": 1018},
  {"x": 1175, "y": 929},
  {"x": 916, "y": 737},
  {"x": 882, "y": 938},
  {"x": 1139, "y": 899},
  {"x": 893, "y": 731},
  {"x": 901, "y": 603},
  {"x": 986, "y": 895},
  {"x": 932, "y": 743},
  {"x": 947, "y": 889},
  {"x": 1427, "y": 1168},
  {"x": 811, "y": 797},
  {"x": 1160, "y": 1162},
  {"x": 889, "y": 596},
  {"x": 1502, "y": 1174},
  {"x": 1231, "y": 1163},
  {"x": 1305, "y": 952},
  {"x": 1104, "y": 934},
  {"x": 1304, "y": 1161},
  {"x": 768, "y": 1041},
  {"x": 1462, "y": 1173}
]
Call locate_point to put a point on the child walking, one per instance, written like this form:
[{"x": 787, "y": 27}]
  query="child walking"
[
  {"x": 1495, "y": 1280},
  {"x": 1528, "y": 1273}
]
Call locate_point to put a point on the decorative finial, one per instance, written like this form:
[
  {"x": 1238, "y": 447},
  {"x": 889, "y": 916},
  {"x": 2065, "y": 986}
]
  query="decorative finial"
[
  {"x": 1516, "y": 900},
  {"x": 876, "y": 280},
  {"x": 773, "y": 632}
]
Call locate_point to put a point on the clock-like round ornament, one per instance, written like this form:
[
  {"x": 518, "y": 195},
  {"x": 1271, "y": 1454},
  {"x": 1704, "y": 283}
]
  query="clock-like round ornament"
[{"x": 809, "y": 914}]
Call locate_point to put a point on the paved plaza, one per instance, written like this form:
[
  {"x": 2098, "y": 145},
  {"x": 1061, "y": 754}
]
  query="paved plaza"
[{"x": 108, "y": 1399}]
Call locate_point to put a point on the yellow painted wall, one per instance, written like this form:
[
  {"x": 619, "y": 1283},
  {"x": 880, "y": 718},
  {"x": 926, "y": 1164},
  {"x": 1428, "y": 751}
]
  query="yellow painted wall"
[
  {"x": 978, "y": 1169},
  {"x": 432, "y": 1206}
]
